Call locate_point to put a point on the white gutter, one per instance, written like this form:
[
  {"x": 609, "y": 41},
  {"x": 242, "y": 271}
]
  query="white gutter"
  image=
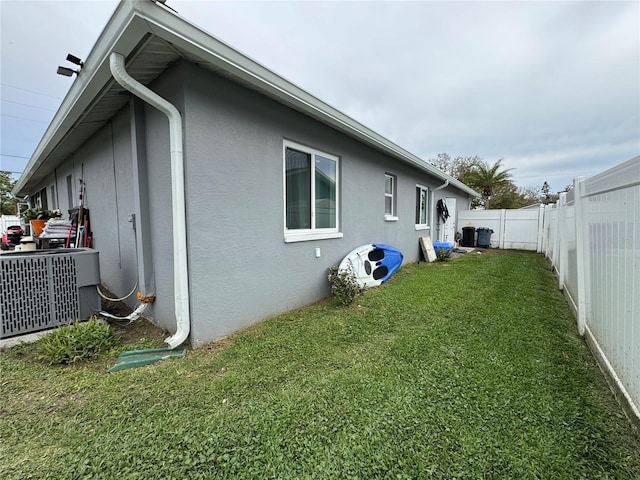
[{"x": 180, "y": 267}]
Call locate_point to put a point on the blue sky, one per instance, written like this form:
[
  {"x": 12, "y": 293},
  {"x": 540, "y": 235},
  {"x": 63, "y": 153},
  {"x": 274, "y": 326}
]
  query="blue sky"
[{"x": 552, "y": 88}]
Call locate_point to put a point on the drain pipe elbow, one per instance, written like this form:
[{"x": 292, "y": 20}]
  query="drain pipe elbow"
[
  {"x": 180, "y": 265},
  {"x": 444, "y": 185}
]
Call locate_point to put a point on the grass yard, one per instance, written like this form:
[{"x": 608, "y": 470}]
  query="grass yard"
[{"x": 470, "y": 368}]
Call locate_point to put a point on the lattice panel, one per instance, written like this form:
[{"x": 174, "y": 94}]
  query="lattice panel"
[{"x": 64, "y": 290}]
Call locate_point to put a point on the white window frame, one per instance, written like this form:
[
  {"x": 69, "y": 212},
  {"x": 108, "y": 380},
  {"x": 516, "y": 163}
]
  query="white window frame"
[
  {"x": 423, "y": 226},
  {"x": 391, "y": 217},
  {"x": 313, "y": 233}
]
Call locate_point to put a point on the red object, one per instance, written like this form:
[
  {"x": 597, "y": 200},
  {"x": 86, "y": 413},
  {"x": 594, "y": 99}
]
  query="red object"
[{"x": 12, "y": 235}]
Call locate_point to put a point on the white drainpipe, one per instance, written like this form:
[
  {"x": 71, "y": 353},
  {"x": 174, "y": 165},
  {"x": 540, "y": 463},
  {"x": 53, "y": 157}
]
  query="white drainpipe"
[
  {"x": 181, "y": 277},
  {"x": 433, "y": 209}
]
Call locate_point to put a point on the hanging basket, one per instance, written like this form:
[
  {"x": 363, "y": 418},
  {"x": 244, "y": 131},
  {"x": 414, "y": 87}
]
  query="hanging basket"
[{"x": 37, "y": 226}]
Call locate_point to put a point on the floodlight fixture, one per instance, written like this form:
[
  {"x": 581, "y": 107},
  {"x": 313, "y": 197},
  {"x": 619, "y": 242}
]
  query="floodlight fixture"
[
  {"x": 75, "y": 60},
  {"x": 67, "y": 72},
  {"x": 164, "y": 4}
]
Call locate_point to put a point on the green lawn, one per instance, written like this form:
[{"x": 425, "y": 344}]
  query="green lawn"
[{"x": 470, "y": 368}]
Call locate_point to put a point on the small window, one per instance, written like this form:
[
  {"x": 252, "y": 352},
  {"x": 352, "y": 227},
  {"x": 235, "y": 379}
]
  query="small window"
[
  {"x": 311, "y": 193},
  {"x": 422, "y": 207},
  {"x": 390, "y": 197},
  {"x": 44, "y": 203}
]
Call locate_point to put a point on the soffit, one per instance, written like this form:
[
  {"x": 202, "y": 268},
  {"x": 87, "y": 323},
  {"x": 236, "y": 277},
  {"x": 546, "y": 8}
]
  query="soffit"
[{"x": 150, "y": 60}]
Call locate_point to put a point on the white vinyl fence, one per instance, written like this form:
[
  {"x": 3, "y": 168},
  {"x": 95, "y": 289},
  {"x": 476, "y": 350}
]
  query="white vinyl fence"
[
  {"x": 592, "y": 238},
  {"x": 7, "y": 221},
  {"x": 517, "y": 229}
]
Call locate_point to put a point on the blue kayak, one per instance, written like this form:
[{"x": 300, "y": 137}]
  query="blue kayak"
[{"x": 373, "y": 263}]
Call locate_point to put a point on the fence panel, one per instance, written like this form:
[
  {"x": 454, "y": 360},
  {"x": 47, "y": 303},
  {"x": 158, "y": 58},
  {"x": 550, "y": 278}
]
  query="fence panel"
[
  {"x": 611, "y": 216},
  {"x": 518, "y": 229},
  {"x": 482, "y": 219}
]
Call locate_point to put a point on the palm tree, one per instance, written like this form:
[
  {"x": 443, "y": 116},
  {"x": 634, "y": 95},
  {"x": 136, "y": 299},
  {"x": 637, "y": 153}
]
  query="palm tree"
[{"x": 487, "y": 179}]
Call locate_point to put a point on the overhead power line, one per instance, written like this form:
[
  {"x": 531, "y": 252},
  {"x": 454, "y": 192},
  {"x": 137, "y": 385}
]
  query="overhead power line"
[
  {"x": 27, "y": 105},
  {"x": 30, "y": 91},
  {"x": 13, "y": 156},
  {"x": 23, "y": 118}
]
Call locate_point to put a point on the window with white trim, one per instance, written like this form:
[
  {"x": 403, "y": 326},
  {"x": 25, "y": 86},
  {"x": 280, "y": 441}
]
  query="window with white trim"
[
  {"x": 390, "y": 196},
  {"x": 422, "y": 207},
  {"x": 311, "y": 193}
]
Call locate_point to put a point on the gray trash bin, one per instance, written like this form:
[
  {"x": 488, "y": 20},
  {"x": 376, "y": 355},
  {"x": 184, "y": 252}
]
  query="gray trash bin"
[{"x": 484, "y": 237}]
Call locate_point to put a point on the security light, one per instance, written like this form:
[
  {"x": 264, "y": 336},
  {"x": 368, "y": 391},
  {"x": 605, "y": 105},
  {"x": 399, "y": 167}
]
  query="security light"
[
  {"x": 67, "y": 72},
  {"x": 74, "y": 59},
  {"x": 164, "y": 4}
]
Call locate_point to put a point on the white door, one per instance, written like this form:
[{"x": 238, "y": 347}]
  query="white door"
[{"x": 448, "y": 230}]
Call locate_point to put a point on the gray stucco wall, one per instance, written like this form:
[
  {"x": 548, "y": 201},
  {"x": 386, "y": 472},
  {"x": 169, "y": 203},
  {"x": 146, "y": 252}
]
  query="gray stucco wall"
[
  {"x": 104, "y": 163},
  {"x": 158, "y": 159},
  {"x": 241, "y": 270}
]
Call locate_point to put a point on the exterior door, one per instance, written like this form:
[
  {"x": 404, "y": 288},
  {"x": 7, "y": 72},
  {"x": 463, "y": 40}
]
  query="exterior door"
[{"x": 448, "y": 230}]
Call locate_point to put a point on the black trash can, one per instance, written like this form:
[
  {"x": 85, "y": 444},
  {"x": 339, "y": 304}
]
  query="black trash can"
[
  {"x": 468, "y": 236},
  {"x": 484, "y": 237}
]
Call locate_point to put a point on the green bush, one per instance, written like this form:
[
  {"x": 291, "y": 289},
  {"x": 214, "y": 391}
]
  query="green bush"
[
  {"x": 77, "y": 341},
  {"x": 442, "y": 255},
  {"x": 344, "y": 285}
]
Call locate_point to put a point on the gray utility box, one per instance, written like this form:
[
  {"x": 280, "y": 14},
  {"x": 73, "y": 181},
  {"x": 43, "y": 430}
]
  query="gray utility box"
[{"x": 43, "y": 289}]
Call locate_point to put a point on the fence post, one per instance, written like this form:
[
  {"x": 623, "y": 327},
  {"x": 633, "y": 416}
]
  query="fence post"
[
  {"x": 540, "y": 228},
  {"x": 561, "y": 243},
  {"x": 555, "y": 228},
  {"x": 503, "y": 228},
  {"x": 546, "y": 240},
  {"x": 582, "y": 253}
]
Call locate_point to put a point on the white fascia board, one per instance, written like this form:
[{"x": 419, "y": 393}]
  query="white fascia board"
[{"x": 126, "y": 28}]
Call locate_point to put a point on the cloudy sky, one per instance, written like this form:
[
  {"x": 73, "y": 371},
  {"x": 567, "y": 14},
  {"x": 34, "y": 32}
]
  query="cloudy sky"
[{"x": 552, "y": 88}]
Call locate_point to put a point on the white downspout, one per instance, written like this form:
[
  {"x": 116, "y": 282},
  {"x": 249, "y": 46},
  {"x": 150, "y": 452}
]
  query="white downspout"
[
  {"x": 433, "y": 209},
  {"x": 181, "y": 278}
]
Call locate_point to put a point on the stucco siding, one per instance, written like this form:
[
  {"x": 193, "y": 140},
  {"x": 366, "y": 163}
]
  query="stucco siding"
[
  {"x": 104, "y": 163},
  {"x": 158, "y": 160},
  {"x": 241, "y": 269},
  {"x": 105, "y": 167}
]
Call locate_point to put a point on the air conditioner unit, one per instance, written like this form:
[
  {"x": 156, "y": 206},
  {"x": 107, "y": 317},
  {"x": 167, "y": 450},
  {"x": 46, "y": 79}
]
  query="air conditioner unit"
[{"x": 43, "y": 289}]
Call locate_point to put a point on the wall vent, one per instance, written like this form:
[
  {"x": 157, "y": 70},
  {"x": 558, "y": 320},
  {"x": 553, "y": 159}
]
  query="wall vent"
[{"x": 47, "y": 288}]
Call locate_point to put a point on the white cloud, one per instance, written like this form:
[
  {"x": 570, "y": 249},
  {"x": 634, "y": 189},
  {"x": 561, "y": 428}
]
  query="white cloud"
[{"x": 548, "y": 86}]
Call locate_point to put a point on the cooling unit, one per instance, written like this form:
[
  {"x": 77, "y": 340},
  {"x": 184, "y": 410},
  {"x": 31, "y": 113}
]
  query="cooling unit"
[{"x": 43, "y": 289}]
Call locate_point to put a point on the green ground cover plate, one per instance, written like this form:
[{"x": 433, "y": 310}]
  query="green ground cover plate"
[{"x": 139, "y": 358}]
